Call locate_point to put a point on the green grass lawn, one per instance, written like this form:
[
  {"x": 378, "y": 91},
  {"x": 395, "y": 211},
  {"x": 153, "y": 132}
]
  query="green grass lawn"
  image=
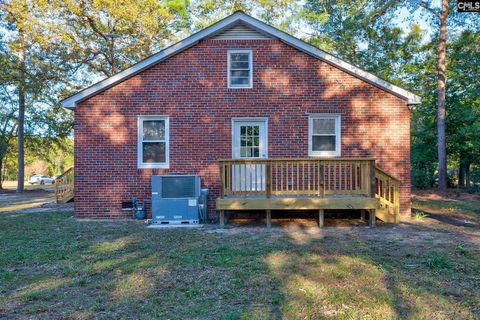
[{"x": 52, "y": 266}]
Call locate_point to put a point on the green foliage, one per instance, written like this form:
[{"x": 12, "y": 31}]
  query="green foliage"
[
  {"x": 463, "y": 97},
  {"x": 281, "y": 13},
  {"x": 438, "y": 262},
  {"x": 420, "y": 215},
  {"x": 107, "y": 37},
  {"x": 367, "y": 34},
  {"x": 461, "y": 250},
  {"x": 359, "y": 32},
  {"x": 37, "y": 79},
  {"x": 463, "y": 110},
  {"x": 66, "y": 46},
  {"x": 32, "y": 295}
]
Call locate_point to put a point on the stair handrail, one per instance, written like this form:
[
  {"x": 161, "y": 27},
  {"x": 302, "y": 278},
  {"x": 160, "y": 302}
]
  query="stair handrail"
[
  {"x": 64, "y": 173},
  {"x": 60, "y": 193},
  {"x": 388, "y": 191},
  {"x": 387, "y": 174}
]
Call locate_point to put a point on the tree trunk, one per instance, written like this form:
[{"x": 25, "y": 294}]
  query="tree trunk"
[
  {"x": 2, "y": 173},
  {"x": 442, "y": 52},
  {"x": 21, "y": 113},
  {"x": 461, "y": 175},
  {"x": 467, "y": 177}
]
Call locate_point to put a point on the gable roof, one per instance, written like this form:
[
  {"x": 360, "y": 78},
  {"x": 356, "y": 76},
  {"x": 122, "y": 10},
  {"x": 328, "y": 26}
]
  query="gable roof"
[{"x": 219, "y": 28}]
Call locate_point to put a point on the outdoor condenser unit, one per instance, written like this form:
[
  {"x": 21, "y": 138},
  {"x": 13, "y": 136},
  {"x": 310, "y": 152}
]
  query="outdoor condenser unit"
[{"x": 175, "y": 199}]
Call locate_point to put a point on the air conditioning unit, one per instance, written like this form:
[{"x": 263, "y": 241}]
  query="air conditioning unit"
[{"x": 175, "y": 199}]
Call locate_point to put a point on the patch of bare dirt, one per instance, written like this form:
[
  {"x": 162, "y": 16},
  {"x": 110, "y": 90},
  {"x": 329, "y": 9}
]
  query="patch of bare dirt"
[
  {"x": 455, "y": 220},
  {"x": 49, "y": 207},
  {"x": 52, "y": 206},
  {"x": 452, "y": 214},
  {"x": 27, "y": 191},
  {"x": 31, "y": 201},
  {"x": 4, "y": 191},
  {"x": 409, "y": 231},
  {"x": 450, "y": 194}
]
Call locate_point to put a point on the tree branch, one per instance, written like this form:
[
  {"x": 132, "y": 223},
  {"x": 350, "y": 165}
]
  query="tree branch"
[{"x": 428, "y": 8}]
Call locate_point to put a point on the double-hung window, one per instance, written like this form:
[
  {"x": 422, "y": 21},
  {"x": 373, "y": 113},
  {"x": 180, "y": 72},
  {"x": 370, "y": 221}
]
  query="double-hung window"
[
  {"x": 240, "y": 69},
  {"x": 152, "y": 143},
  {"x": 324, "y": 136}
]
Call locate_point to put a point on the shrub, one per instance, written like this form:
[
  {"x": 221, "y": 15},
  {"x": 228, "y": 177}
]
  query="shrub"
[
  {"x": 438, "y": 262},
  {"x": 420, "y": 215}
]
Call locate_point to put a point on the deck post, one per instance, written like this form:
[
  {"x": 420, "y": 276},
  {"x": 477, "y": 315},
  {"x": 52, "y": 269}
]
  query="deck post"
[
  {"x": 362, "y": 215},
  {"x": 221, "y": 169},
  {"x": 268, "y": 177},
  {"x": 373, "y": 191},
  {"x": 269, "y": 218},
  {"x": 57, "y": 199},
  {"x": 222, "y": 218},
  {"x": 321, "y": 187},
  {"x": 396, "y": 201},
  {"x": 321, "y": 218},
  {"x": 372, "y": 218},
  {"x": 373, "y": 182}
]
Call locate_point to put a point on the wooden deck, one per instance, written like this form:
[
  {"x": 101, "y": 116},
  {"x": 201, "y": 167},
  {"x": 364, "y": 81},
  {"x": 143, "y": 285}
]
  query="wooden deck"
[
  {"x": 306, "y": 184},
  {"x": 296, "y": 203}
]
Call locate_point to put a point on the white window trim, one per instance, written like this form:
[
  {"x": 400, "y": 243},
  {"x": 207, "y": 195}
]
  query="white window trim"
[
  {"x": 338, "y": 135},
  {"x": 250, "y": 61},
  {"x": 140, "y": 163},
  {"x": 250, "y": 119}
]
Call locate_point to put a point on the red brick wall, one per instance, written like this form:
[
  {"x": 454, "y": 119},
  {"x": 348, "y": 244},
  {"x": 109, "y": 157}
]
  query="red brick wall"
[{"x": 191, "y": 88}]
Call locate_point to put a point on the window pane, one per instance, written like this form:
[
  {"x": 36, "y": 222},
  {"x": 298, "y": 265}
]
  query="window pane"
[
  {"x": 323, "y": 143},
  {"x": 239, "y": 73},
  {"x": 234, "y": 57},
  {"x": 256, "y": 142},
  {"x": 240, "y": 65},
  {"x": 240, "y": 69},
  {"x": 243, "y": 152},
  {"x": 239, "y": 81},
  {"x": 256, "y": 152},
  {"x": 154, "y": 152},
  {"x": 243, "y": 142},
  {"x": 324, "y": 126},
  {"x": 154, "y": 130}
]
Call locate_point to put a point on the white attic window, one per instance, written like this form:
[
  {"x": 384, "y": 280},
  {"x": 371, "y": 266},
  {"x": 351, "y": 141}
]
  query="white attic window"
[{"x": 240, "y": 69}]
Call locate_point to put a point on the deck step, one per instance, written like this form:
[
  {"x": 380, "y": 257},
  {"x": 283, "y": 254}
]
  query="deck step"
[
  {"x": 386, "y": 215},
  {"x": 65, "y": 199}
]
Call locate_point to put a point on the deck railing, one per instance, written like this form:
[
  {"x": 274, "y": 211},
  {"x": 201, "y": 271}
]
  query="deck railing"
[
  {"x": 387, "y": 191},
  {"x": 64, "y": 186},
  {"x": 292, "y": 177}
]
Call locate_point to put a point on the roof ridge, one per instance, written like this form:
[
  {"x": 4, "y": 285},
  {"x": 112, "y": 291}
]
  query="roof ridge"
[{"x": 239, "y": 16}]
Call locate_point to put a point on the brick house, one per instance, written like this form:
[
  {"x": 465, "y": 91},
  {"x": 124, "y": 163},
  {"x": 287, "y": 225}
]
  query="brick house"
[{"x": 242, "y": 90}]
